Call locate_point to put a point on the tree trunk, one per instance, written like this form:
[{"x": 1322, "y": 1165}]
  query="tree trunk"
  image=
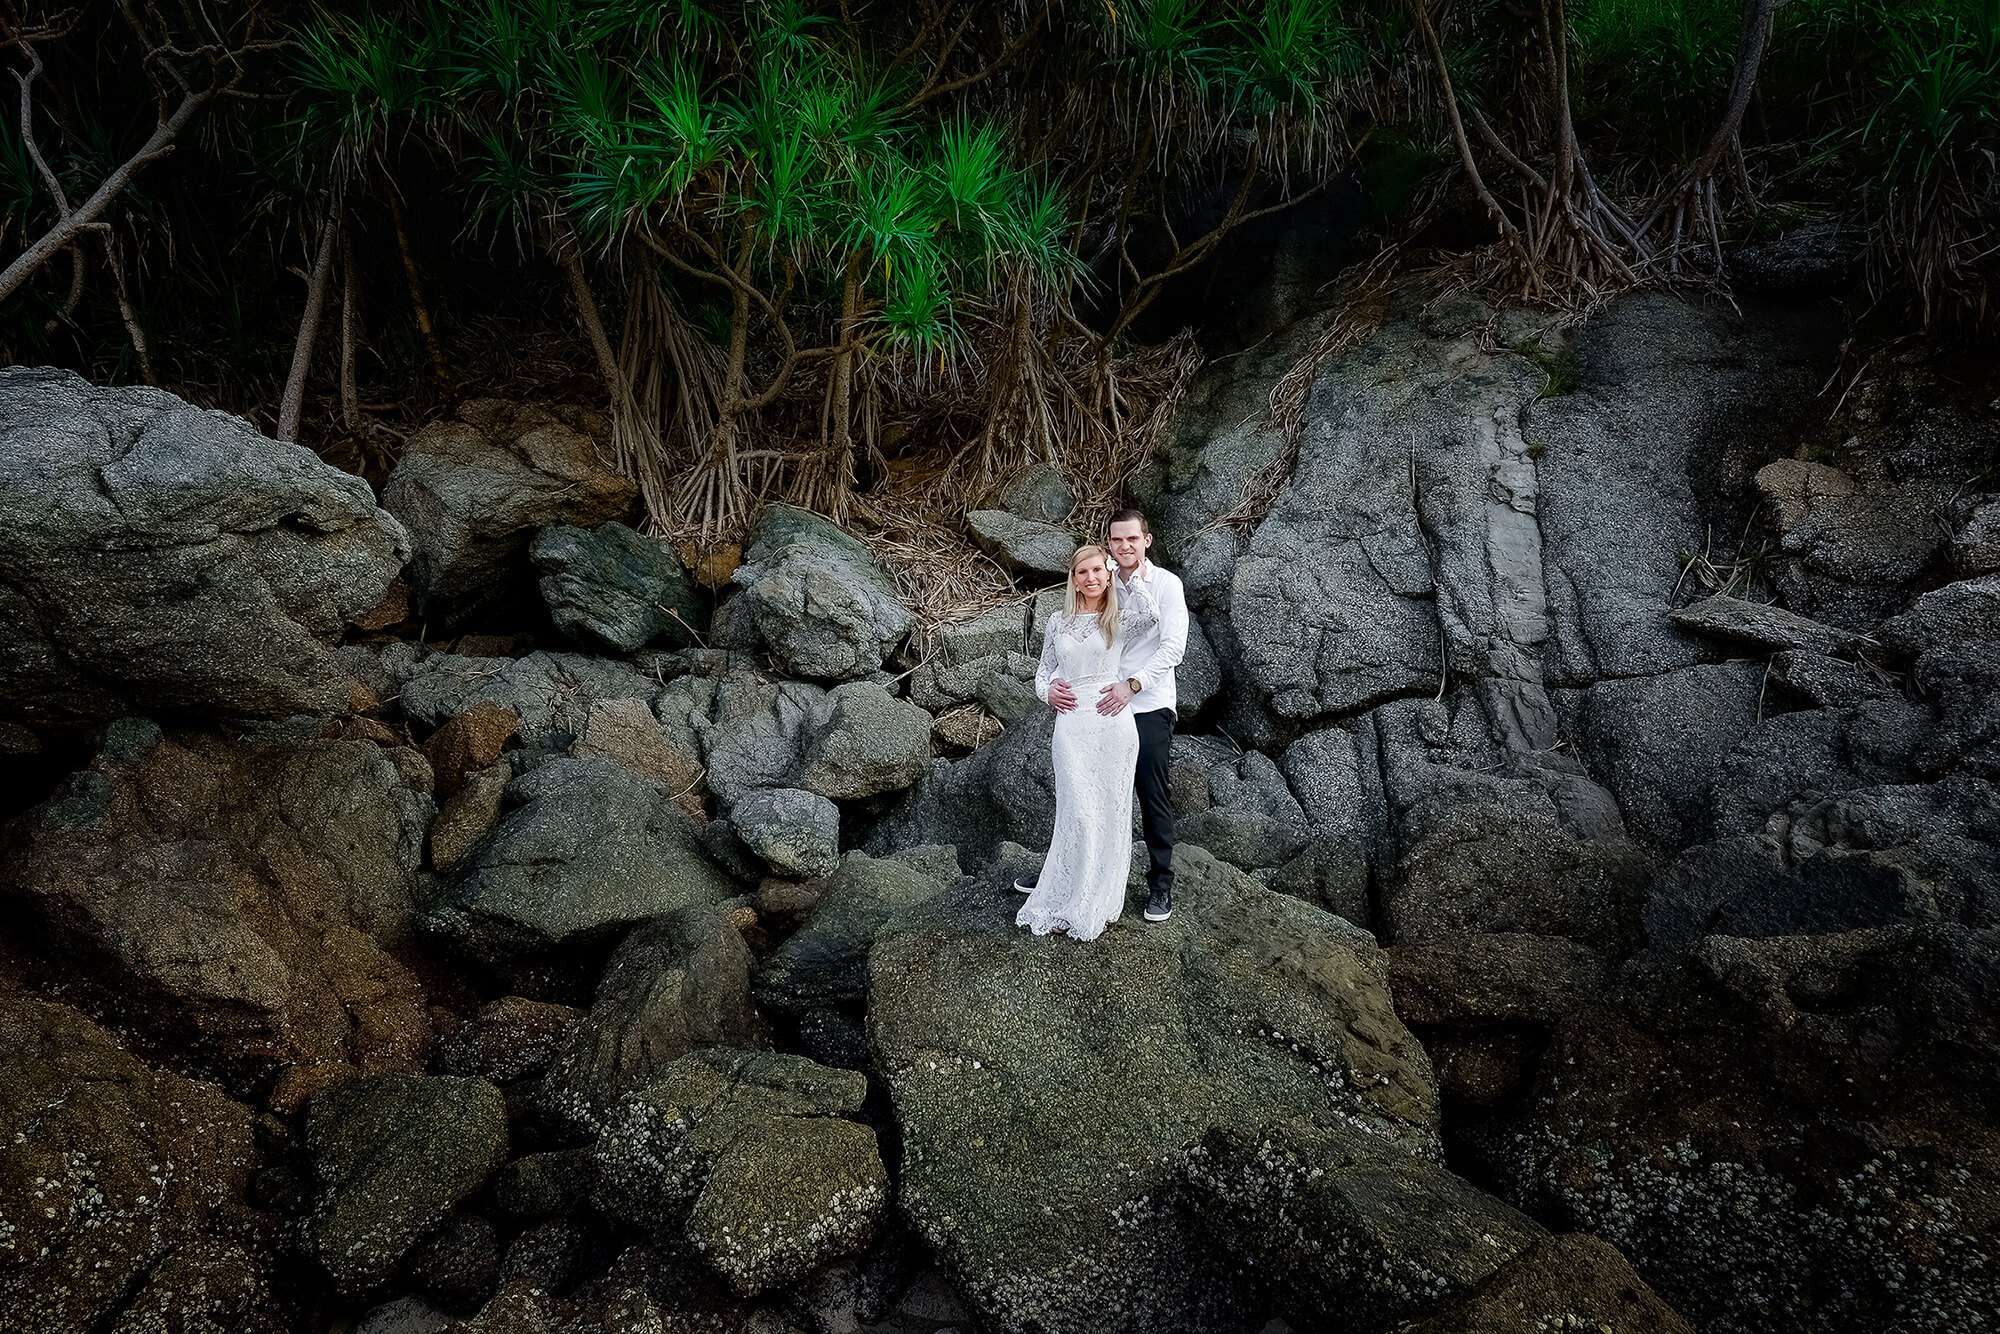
[
  {"x": 114, "y": 255},
  {"x": 587, "y": 313},
  {"x": 302, "y": 349},
  {"x": 350, "y": 335},
  {"x": 425, "y": 325}
]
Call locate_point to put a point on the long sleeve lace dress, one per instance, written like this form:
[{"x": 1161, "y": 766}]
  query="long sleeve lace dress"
[{"x": 1082, "y": 885}]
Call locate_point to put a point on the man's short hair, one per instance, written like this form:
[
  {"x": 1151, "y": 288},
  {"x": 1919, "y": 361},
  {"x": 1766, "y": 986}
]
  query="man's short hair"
[{"x": 1126, "y": 514}]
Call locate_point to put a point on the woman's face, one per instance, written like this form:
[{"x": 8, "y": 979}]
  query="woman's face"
[{"x": 1090, "y": 577}]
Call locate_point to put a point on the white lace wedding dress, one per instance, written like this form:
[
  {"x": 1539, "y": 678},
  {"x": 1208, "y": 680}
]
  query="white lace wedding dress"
[{"x": 1082, "y": 885}]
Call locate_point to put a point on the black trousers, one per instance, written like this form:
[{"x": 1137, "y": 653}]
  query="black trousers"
[{"x": 1156, "y": 803}]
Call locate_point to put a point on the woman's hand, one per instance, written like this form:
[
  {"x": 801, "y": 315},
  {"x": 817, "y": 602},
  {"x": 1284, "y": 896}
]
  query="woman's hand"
[{"x": 1061, "y": 698}]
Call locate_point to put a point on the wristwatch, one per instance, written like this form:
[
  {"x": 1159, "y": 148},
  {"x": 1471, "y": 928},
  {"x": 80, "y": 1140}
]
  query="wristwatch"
[{"x": 1133, "y": 684}]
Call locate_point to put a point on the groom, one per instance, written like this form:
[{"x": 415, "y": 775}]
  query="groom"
[{"x": 1148, "y": 661}]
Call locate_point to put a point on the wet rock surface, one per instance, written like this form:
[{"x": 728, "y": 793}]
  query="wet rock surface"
[{"x": 814, "y": 596}]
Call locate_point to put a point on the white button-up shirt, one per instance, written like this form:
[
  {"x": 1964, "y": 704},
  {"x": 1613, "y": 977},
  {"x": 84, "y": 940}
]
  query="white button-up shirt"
[{"x": 1152, "y": 653}]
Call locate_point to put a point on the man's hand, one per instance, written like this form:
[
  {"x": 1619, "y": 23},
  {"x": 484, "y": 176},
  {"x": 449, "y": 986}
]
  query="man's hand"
[
  {"x": 1111, "y": 700},
  {"x": 1061, "y": 697}
]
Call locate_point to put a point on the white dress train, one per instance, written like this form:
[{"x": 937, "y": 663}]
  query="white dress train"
[{"x": 1082, "y": 885}]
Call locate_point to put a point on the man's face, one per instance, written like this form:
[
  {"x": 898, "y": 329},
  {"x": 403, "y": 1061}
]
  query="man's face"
[{"x": 1128, "y": 542}]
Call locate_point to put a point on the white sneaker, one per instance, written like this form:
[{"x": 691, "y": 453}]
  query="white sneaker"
[{"x": 1027, "y": 886}]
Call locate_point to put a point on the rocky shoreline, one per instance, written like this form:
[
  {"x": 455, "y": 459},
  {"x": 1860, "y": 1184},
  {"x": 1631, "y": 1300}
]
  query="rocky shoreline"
[{"x": 447, "y": 914}]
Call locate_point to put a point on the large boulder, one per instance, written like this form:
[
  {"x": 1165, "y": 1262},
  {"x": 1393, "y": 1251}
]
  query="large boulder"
[
  {"x": 1024, "y": 546},
  {"x": 814, "y": 596},
  {"x": 794, "y": 832},
  {"x": 1041, "y": 494},
  {"x": 109, "y": 1176},
  {"x": 395, "y": 1154},
  {"x": 1053, "y": 1097},
  {"x": 1004, "y": 791},
  {"x": 1852, "y": 547},
  {"x": 551, "y": 695},
  {"x": 474, "y": 491},
  {"x": 825, "y": 963},
  {"x": 591, "y": 847},
  {"x": 613, "y": 589},
  {"x": 155, "y": 555},
  {"x": 747, "y": 1159},
  {"x": 748, "y": 729},
  {"x": 239, "y": 904},
  {"x": 676, "y": 983},
  {"x": 864, "y": 742}
]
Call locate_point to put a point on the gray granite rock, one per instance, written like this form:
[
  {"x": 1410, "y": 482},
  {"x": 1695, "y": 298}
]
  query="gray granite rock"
[
  {"x": 795, "y": 833},
  {"x": 155, "y": 555},
  {"x": 590, "y": 847},
  {"x": 1022, "y": 545},
  {"x": 475, "y": 490},
  {"x": 814, "y": 596},
  {"x": 1763, "y": 624},
  {"x": 675, "y": 984},
  {"x": 1041, "y": 494},
  {"x": 862, "y": 741},
  {"x": 614, "y": 590},
  {"x": 747, "y": 1159}
]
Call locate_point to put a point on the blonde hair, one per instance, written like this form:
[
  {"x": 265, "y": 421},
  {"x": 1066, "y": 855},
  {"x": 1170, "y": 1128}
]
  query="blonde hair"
[{"x": 1107, "y": 616}]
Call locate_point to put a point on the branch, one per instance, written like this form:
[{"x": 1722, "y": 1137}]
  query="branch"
[
  {"x": 157, "y": 146},
  {"x": 1000, "y": 62}
]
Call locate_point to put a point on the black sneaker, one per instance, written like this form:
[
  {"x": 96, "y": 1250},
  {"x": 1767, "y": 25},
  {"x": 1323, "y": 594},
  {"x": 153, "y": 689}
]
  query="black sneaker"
[
  {"x": 1027, "y": 884},
  {"x": 1159, "y": 905}
]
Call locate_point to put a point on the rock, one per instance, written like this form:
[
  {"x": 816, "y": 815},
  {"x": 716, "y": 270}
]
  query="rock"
[
  {"x": 751, "y": 731},
  {"x": 1975, "y": 548},
  {"x": 996, "y": 630},
  {"x": 1662, "y": 388},
  {"x": 473, "y": 493},
  {"x": 511, "y": 1038},
  {"x": 1041, "y": 495},
  {"x": 675, "y": 984},
  {"x": 1243, "y": 838},
  {"x": 938, "y": 682},
  {"x": 1003, "y": 791},
  {"x": 965, "y": 728},
  {"x": 542, "y": 1185},
  {"x": 469, "y": 815},
  {"x": 470, "y": 741},
  {"x": 614, "y": 590},
  {"x": 1816, "y": 260},
  {"x": 1572, "y": 1282},
  {"x": 1826, "y": 681},
  {"x": 624, "y": 731},
  {"x": 518, "y": 1307},
  {"x": 1852, "y": 548},
  {"x": 1492, "y": 978},
  {"x": 551, "y": 694},
  {"x": 1759, "y": 623},
  {"x": 794, "y": 832},
  {"x": 591, "y": 848},
  {"x": 1952, "y": 633},
  {"x": 109, "y": 1173},
  {"x": 1778, "y": 1130},
  {"x": 1660, "y": 741},
  {"x": 1349, "y": 1229},
  {"x": 1045, "y": 1090},
  {"x": 1024, "y": 546},
  {"x": 1490, "y": 855},
  {"x": 404, "y": 1315},
  {"x": 1331, "y": 874},
  {"x": 863, "y": 742},
  {"x": 1006, "y": 698},
  {"x": 826, "y": 963},
  {"x": 747, "y": 1157},
  {"x": 549, "y": 1256},
  {"x": 158, "y": 556},
  {"x": 459, "y": 1264},
  {"x": 235, "y": 904},
  {"x": 814, "y": 596},
  {"x": 395, "y": 1154}
]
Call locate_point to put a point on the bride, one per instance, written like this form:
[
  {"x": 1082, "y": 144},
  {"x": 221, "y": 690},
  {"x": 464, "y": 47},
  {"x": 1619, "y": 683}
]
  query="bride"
[{"x": 1081, "y": 889}]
